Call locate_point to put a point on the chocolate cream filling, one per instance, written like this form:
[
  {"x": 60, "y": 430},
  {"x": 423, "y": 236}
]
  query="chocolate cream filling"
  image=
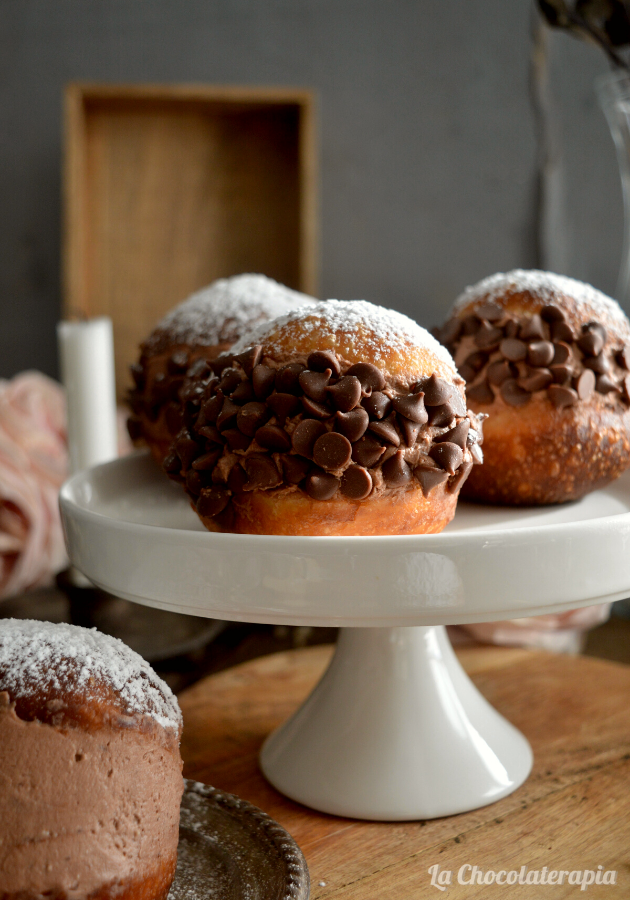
[
  {"x": 81, "y": 810},
  {"x": 319, "y": 425},
  {"x": 500, "y": 355}
]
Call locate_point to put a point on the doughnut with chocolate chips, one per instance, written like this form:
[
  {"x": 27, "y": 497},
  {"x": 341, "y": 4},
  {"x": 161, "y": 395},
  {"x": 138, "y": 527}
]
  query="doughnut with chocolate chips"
[
  {"x": 182, "y": 347},
  {"x": 357, "y": 426},
  {"x": 548, "y": 359}
]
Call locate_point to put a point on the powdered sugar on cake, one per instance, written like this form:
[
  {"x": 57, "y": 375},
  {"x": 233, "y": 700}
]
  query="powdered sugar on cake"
[
  {"x": 37, "y": 654},
  {"x": 388, "y": 328},
  {"x": 221, "y": 312},
  {"x": 544, "y": 286}
]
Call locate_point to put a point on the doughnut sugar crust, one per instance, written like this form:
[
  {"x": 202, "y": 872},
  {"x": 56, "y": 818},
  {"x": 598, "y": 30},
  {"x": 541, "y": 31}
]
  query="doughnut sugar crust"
[
  {"x": 196, "y": 331},
  {"x": 340, "y": 418},
  {"x": 548, "y": 359},
  {"x": 90, "y": 770}
]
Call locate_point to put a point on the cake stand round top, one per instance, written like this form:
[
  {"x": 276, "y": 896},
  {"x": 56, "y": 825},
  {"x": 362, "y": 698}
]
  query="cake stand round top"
[{"x": 132, "y": 532}]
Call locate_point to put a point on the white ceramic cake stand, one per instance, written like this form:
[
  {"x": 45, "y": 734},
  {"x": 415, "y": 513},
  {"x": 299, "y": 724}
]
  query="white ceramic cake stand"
[{"x": 395, "y": 729}]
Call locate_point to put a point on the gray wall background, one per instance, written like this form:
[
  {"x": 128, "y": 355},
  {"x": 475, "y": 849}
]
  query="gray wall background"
[{"x": 429, "y": 165}]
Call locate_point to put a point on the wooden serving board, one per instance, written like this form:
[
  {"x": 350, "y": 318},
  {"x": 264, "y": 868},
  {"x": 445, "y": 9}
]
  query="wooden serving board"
[
  {"x": 168, "y": 187},
  {"x": 573, "y": 813}
]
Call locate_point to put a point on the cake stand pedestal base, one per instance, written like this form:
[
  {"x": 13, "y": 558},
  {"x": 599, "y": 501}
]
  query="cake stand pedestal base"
[{"x": 395, "y": 730}]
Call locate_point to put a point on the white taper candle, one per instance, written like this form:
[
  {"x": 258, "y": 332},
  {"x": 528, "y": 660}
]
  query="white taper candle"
[{"x": 86, "y": 352}]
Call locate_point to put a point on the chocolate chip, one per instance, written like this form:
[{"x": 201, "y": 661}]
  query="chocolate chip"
[
  {"x": 599, "y": 363},
  {"x": 332, "y": 451},
  {"x": 560, "y": 331},
  {"x": 511, "y": 328},
  {"x": 230, "y": 379},
  {"x": 346, "y": 394},
  {"x": 470, "y": 324},
  {"x": 377, "y": 405},
  {"x": 552, "y": 313},
  {"x": 315, "y": 410},
  {"x": 623, "y": 357},
  {"x": 371, "y": 378},
  {"x": 207, "y": 460},
  {"x": 492, "y": 312},
  {"x": 236, "y": 440},
  {"x": 320, "y": 360},
  {"x": 560, "y": 374},
  {"x": 305, "y": 435},
  {"x": 476, "y": 360},
  {"x": 467, "y": 373},
  {"x": 172, "y": 464},
  {"x": 228, "y": 414},
  {"x": 488, "y": 337},
  {"x": 263, "y": 379},
  {"x": 540, "y": 353},
  {"x": 367, "y": 451},
  {"x": 212, "y": 501},
  {"x": 561, "y": 355},
  {"x": 321, "y": 485},
  {"x": 251, "y": 416},
  {"x": 198, "y": 368},
  {"x": 499, "y": 371},
  {"x": 224, "y": 361},
  {"x": 294, "y": 468},
  {"x": 455, "y": 483},
  {"x": 134, "y": 428},
  {"x": 411, "y": 406},
  {"x": 249, "y": 359},
  {"x": 533, "y": 329},
  {"x": 429, "y": 478},
  {"x": 186, "y": 448},
  {"x": 562, "y": 396},
  {"x": 480, "y": 393},
  {"x": 237, "y": 479},
  {"x": 585, "y": 384},
  {"x": 386, "y": 430},
  {"x": 178, "y": 362},
  {"x": 410, "y": 430},
  {"x": 210, "y": 410},
  {"x": 513, "y": 393},
  {"x": 137, "y": 373},
  {"x": 591, "y": 343},
  {"x": 456, "y": 435},
  {"x": 513, "y": 349},
  {"x": 194, "y": 483},
  {"x": 356, "y": 483},
  {"x": 243, "y": 393},
  {"x": 625, "y": 387},
  {"x": 288, "y": 379},
  {"x": 436, "y": 391},
  {"x": 352, "y": 424},
  {"x": 262, "y": 472},
  {"x": 440, "y": 416},
  {"x": 595, "y": 326},
  {"x": 450, "y": 331},
  {"x": 273, "y": 438},
  {"x": 605, "y": 384},
  {"x": 447, "y": 455},
  {"x": 283, "y": 405},
  {"x": 536, "y": 380},
  {"x": 314, "y": 384},
  {"x": 174, "y": 418},
  {"x": 211, "y": 433},
  {"x": 396, "y": 471}
]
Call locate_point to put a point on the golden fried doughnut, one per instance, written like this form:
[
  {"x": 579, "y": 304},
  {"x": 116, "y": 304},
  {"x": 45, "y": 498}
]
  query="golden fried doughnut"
[{"x": 547, "y": 358}]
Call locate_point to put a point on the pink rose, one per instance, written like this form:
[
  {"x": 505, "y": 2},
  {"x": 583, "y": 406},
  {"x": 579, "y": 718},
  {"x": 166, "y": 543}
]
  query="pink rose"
[{"x": 33, "y": 465}]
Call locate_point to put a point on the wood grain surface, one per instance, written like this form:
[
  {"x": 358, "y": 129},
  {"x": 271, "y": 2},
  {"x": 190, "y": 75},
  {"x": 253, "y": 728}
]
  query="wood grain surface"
[
  {"x": 167, "y": 188},
  {"x": 573, "y": 813}
]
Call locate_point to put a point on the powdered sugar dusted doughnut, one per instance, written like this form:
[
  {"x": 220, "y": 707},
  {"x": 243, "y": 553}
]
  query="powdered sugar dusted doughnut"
[
  {"x": 548, "y": 358},
  {"x": 90, "y": 767},
  {"x": 197, "y": 331},
  {"x": 337, "y": 418}
]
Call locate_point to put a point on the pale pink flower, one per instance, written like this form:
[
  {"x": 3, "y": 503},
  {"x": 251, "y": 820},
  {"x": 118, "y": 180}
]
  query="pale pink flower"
[{"x": 33, "y": 465}]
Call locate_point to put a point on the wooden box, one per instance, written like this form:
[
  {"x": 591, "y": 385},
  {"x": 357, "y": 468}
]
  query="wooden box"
[{"x": 168, "y": 187}]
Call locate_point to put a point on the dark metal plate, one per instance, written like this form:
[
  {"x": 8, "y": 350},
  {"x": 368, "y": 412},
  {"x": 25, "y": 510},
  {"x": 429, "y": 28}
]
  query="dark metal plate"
[{"x": 230, "y": 850}]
